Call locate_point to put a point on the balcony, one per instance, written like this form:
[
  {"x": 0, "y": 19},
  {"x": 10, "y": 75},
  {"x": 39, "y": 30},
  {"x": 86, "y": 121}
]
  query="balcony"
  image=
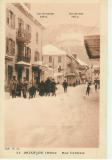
[
  {"x": 24, "y": 59},
  {"x": 23, "y": 36}
]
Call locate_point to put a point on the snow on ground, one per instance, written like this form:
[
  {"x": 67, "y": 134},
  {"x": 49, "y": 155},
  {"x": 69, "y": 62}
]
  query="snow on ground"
[{"x": 67, "y": 120}]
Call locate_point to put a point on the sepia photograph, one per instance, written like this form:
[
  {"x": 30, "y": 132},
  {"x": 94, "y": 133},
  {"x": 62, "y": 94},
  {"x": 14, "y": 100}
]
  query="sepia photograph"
[{"x": 52, "y": 74}]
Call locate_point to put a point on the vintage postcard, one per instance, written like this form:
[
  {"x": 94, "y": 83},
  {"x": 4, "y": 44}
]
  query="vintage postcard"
[{"x": 53, "y": 79}]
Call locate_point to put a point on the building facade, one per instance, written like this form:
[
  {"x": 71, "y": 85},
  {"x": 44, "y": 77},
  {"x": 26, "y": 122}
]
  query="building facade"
[
  {"x": 63, "y": 66},
  {"x": 55, "y": 59},
  {"x": 76, "y": 70},
  {"x": 92, "y": 45},
  {"x": 23, "y": 43}
]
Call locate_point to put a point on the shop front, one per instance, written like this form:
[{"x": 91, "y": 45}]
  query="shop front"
[
  {"x": 36, "y": 75},
  {"x": 23, "y": 70},
  {"x": 71, "y": 78}
]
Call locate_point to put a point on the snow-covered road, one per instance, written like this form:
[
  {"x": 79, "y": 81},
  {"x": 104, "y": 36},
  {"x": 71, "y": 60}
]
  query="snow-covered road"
[{"x": 67, "y": 120}]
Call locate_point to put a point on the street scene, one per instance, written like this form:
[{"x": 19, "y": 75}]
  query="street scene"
[{"x": 52, "y": 75}]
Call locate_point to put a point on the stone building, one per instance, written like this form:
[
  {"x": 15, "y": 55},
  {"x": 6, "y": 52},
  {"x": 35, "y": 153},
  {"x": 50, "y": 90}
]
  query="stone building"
[
  {"x": 61, "y": 65},
  {"x": 55, "y": 59},
  {"x": 76, "y": 70},
  {"x": 23, "y": 43}
]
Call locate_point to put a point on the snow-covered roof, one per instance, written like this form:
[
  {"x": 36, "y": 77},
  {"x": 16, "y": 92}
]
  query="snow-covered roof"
[
  {"x": 23, "y": 63},
  {"x": 78, "y": 60},
  {"x": 52, "y": 50},
  {"x": 81, "y": 62}
]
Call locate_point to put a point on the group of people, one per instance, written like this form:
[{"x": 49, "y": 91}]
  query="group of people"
[
  {"x": 18, "y": 88},
  {"x": 44, "y": 88},
  {"x": 96, "y": 85},
  {"x": 28, "y": 89}
]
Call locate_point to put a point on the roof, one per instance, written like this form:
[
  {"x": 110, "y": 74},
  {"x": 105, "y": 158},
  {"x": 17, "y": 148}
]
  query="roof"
[
  {"x": 92, "y": 45},
  {"x": 52, "y": 50},
  {"x": 81, "y": 62},
  {"x": 77, "y": 60},
  {"x": 23, "y": 63},
  {"x": 28, "y": 13}
]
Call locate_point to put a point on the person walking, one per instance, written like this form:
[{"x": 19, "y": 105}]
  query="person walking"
[
  {"x": 65, "y": 85},
  {"x": 41, "y": 88},
  {"x": 24, "y": 87},
  {"x": 88, "y": 89},
  {"x": 47, "y": 86},
  {"x": 53, "y": 87},
  {"x": 13, "y": 87},
  {"x": 19, "y": 89},
  {"x": 96, "y": 86},
  {"x": 31, "y": 90}
]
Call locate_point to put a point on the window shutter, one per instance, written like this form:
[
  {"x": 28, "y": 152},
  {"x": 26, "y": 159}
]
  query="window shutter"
[{"x": 7, "y": 16}]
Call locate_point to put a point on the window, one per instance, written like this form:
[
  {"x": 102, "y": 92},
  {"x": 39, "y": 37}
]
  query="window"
[
  {"x": 36, "y": 58},
  {"x": 28, "y": 32},
  {"x": 10, "y": 47},
  {"x": 20, "y": 23},
  {"x": 20, "y": 49},
  {"x": 10, "y": 72},
  {"x": 28, "y": 28},
  {"x": 42, "y": 58},
  {"x": 59, "y": 69},
  {"x": 36, "y": 37},
  {"x": 59, "y": 59},
  {"x": 50, "y": 59},
  {"x": 27, "y": 74},
  {"x": 27, "y": 52},
  {"x": 10, "y": 19}
]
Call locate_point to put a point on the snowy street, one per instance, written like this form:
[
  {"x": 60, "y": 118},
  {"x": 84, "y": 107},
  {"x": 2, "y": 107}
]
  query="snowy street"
[{"x": 67, "y": 120}]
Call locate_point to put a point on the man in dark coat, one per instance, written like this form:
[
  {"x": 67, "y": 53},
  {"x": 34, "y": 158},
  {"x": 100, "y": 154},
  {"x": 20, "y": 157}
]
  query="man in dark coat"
[
  {"x": 65, "y": 85},
  {"x": 13, "y": 87},
  {"x": 96, "y": 86},
  {"x": 53, "y": 87},
  {"x": 48, "y": 87},
  {"x": 88, "y": 89},
  {"x": 41, "y": 88},
  {"x": 19, "y": 89},
  {"x": 32, "y": 91},
  {"x": 24, "y": 87}
]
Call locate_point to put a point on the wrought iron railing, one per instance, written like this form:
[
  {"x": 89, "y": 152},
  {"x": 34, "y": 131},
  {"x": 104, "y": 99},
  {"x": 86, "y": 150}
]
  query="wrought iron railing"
[
  {"x": 24, "y": 59},
  {"x": 23, "y": 35}
]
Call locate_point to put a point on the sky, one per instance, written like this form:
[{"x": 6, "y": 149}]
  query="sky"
[{"x": 63, "y": 12}]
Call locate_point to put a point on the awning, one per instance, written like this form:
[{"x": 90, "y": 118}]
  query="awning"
[
  {"x": 45, "y": 68},
  {"x": 41, "y": 66},
  {"x": 23, "y": 63},
  {"x": 70, "y": 74}
]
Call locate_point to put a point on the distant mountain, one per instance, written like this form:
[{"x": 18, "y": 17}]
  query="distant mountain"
[{"x": 70, "y": 37}]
